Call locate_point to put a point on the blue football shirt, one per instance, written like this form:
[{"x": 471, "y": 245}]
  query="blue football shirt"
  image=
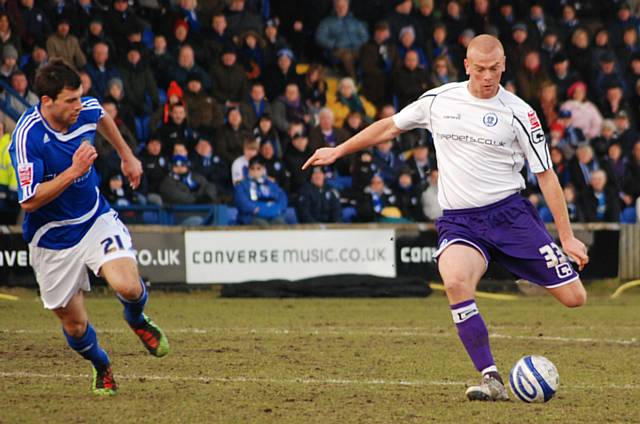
[{"x": 39, "y": 154}]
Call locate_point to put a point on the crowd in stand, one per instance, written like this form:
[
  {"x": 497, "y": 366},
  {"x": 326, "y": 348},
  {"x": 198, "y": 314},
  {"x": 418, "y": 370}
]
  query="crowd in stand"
[{"x": 224, "y": 100}]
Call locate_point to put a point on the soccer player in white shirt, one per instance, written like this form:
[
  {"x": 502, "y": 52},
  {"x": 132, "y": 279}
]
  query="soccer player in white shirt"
[
  {"x": 483, "y": 134},
  {"x": 68, "y": 224}
]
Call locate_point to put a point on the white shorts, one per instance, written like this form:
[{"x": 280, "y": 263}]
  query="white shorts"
[{"x": 62, "y": 273}]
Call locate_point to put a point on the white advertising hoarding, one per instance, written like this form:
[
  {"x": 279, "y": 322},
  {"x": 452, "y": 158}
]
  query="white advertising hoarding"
[{"x": 238, "y": 256}]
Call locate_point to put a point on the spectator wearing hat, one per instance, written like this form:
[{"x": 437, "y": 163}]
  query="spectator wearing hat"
[
  {"x": 277, "y": 77},
  {"x": 517, "y": 46},
  {"x": 230, "y": 139},
  {"x": 410, "y": 80},
  {"x": 251, "y": 53},
  {"x": 317, "y": 202},
  {"x": 61, "y": 44},
  {"x": 259, "y": 200},
  {"x": 34, "y": 25},
  {"x": 240, "y": 18},
  {"x": 8, "y": 35},
  {"x": 570, "y": 136},
  {"x": 276, "y": 168},
  {"x": 116, "y": 94},
  {"x": 290, "y": 107},
  {"x": 205, "y": 114},
  {"x": 230, "y": 85},
  {"x": 342, "y": 36},
  {"x": 274, "y": 42},
  {"x": 407, "y": 42},
  {"x": 409, "y": 196},
  {"x": 580, "y": 54},
  {"x": 378, "y": 59},
  {"x": 562, "y": 75},
  {"x": 256, "y": 105},
  {"x": 100, "y": 69},
  {"x": 584, "y": 113},
  {"x": 420, "y": 163},
  {"x": 185, "y": 187},
  {"x": 378, "y": 203},
  {"x": 295, "y": 155},
  {"x": 627, "y": 133},
  {"x": 208, "y": 163},
  {"x": 240, "y": 166},
  {"x": 180, "y": 36},
  {"x": 120, "y": 20},
  {"x": 9, "y": 62},
  {"x": 606, "y": 74},
  {"x": 154, "y": 164},
  {"x": 215, "y": 37}
]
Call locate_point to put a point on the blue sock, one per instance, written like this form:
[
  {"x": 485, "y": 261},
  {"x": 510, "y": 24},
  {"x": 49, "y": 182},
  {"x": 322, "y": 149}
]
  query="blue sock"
[
  {"x": 87, "y": 346},
  {"x": 133, "y": 308}
]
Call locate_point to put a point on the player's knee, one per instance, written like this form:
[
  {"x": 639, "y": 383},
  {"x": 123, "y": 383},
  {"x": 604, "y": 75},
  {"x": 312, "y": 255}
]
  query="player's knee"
[
  {"x": 578, "y": 298},
  {"x": 75, "y": 328},
  {"x": 456, "y": 286},
  {"x": 130, "y": 291}
]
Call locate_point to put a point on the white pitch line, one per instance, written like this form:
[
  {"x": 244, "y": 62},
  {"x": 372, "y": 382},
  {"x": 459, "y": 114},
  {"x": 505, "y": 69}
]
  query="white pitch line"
[
  {"x": 302, "y": 380},
  {"x": 344, "y": 331}
]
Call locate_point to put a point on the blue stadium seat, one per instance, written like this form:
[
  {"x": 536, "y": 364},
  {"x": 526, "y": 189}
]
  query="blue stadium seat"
[
  {"x": 545, "y": 214},
  {"x": 290, "y": 216},
  {"x": 232, "y": 215},
  {"x": 349, "y": 214},
  {"x": 628, "y": 215}
]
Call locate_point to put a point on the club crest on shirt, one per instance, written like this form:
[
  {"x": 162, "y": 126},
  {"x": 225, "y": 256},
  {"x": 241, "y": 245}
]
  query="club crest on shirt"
[
  {"x": 490, "y": 119},
  {"x": 25, "y": 174}
]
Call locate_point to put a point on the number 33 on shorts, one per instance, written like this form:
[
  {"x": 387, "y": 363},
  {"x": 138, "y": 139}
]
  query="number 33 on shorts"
[{"x": 556, "y": 258}]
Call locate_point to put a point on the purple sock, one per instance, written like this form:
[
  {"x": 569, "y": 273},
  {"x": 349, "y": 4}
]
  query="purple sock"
[{"x": 474, "y": 335}]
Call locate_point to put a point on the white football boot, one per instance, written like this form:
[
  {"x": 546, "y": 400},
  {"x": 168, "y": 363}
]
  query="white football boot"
[{"x": 490, "y": 389}]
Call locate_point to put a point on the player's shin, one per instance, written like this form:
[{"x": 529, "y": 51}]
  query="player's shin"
[
  {"x": 133, "y": 308},
  {"x": 474, "y": 335},
  {"x": 88, "y": 347}
]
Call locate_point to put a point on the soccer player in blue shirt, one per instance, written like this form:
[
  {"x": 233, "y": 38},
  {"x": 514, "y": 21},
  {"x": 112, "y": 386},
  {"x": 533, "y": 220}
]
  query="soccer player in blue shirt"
[{"x": 68, "y": 224}]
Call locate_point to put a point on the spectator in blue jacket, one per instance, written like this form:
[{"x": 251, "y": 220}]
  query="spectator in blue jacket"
[
  {"x": 342, "y": 35},
  {"x": 100, "y": 69},
  {"x": 259, "y": 200}
]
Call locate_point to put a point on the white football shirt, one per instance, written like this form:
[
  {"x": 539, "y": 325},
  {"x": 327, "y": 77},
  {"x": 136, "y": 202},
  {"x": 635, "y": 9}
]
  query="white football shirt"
[{"x": 481, "y": 144}]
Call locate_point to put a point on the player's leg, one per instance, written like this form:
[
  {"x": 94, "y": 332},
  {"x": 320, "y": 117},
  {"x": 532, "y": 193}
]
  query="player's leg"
[
  {"x": 461, "y": 267},
  {"x": 571, "y": 295},
  {"x": 122, "y": 275},
  {"x": 82, "y": 338}
]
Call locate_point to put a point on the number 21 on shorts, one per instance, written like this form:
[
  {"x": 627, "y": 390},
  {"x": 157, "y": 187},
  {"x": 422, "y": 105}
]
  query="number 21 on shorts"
[
  {"x": 556, "y": 258},
  {"x": 109, "y": 246}
]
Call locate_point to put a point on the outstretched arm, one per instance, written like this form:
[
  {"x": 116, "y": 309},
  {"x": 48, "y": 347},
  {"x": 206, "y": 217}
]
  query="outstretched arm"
[
  {"x": 382, "y": 130},
  {"x": 131, "y": 166},
  {"x": 552, "y": 192}
]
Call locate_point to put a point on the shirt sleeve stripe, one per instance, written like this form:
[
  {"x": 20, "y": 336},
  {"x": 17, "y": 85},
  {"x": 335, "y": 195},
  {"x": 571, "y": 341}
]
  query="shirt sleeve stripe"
[
  {"x": 544, "y": 165},
  {"x": 22, "y": 136}
]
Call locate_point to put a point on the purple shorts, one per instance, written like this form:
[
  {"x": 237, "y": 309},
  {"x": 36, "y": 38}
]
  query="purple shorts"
[{"x": 510, "y": 232}]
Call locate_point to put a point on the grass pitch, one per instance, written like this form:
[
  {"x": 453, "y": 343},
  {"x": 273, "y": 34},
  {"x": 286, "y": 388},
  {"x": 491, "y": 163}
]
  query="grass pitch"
[{"x": 319, "y": 361}]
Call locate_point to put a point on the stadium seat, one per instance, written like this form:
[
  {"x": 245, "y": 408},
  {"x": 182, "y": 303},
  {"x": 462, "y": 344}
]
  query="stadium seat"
[
  {"x": 628, "y": 216},
  {"x": 545, "y": 214},
  {"x": 290, "y": 216},
  {"x": 349, "y": 214},
  {"x": 232, "y": 215}
]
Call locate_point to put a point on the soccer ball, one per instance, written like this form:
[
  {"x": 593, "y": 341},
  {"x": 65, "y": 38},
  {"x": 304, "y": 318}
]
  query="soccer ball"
[{"x": 534, "y": 379}]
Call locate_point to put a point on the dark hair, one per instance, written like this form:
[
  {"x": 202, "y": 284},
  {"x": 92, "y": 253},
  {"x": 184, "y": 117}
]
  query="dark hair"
[{"x": 55, "y": 77}]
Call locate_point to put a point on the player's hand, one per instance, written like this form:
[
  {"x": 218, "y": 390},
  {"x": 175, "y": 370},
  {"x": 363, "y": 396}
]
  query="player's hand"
[
  {"x": 577, "y": 251},
  {"x": 321, "y": 157},
  {"x": 82, "y": 159},
  {"x": 132, "y": 169}
]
